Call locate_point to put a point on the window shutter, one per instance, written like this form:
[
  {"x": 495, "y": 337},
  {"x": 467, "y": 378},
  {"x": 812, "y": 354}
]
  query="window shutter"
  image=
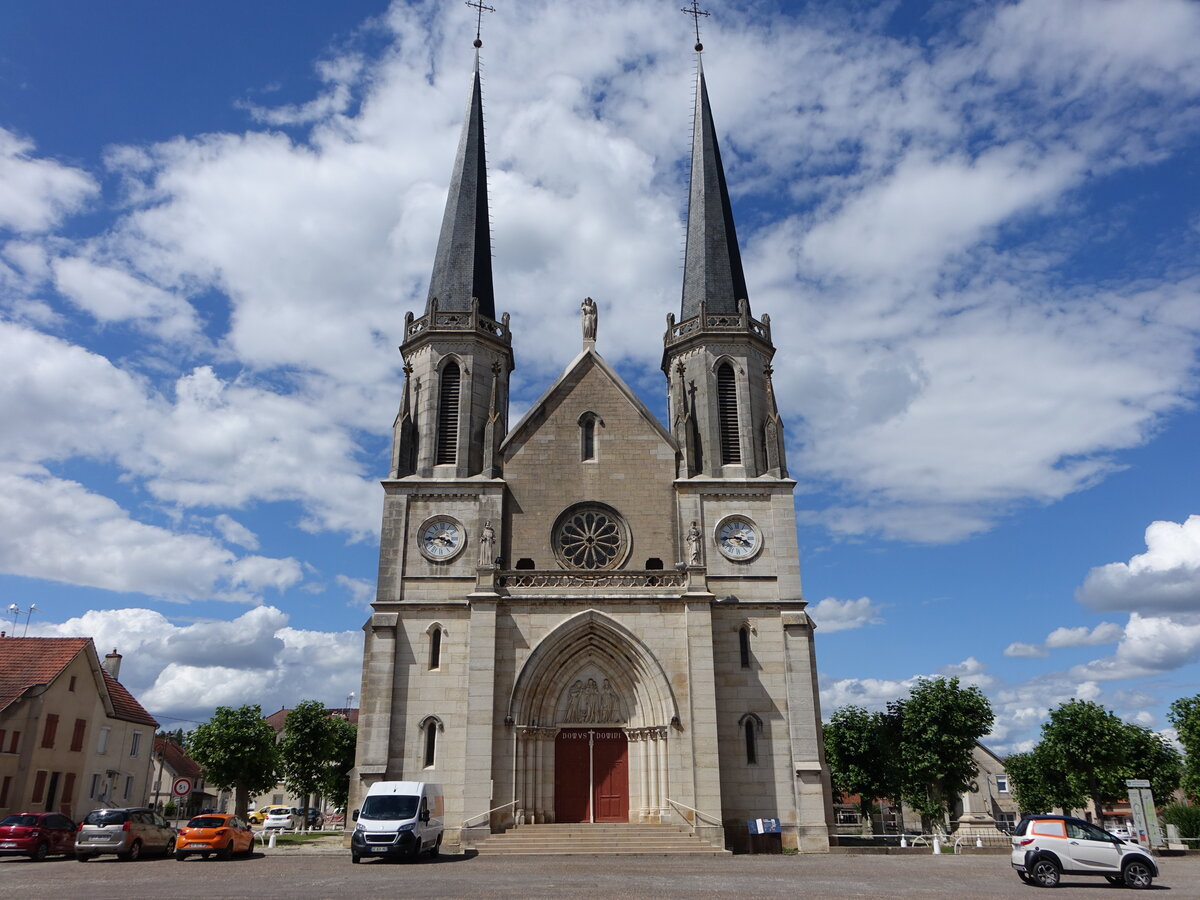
[
  {"x": 727, "y": 415},
  {"x": 447, "y": 442}
]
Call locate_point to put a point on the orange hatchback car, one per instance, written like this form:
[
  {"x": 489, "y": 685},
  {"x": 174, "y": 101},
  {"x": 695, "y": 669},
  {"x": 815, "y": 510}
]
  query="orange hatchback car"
[{"x": 217, "y": 833}]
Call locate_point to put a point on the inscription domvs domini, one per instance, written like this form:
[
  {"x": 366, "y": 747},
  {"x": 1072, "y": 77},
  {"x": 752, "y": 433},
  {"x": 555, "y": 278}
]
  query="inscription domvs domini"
[{"x": 580, "y": 667}]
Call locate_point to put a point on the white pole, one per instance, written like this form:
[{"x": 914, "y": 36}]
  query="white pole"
[{"x": 937, "y": 846}]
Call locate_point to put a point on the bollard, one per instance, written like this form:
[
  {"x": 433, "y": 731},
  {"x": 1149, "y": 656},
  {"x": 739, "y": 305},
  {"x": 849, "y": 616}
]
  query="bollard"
[
  {"x": 979, "y": 842},
  {"x": 903, "y": 841},
  {"x": 937, "y": 847},
  {"x": 271, "y": 843}
]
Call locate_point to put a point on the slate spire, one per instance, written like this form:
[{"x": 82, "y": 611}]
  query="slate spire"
[
  {"x": 462, "y": 268},
  {"x": 712, "y": 272}
]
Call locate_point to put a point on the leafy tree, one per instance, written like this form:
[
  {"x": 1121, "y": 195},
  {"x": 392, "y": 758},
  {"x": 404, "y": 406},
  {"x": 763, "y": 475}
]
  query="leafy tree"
[
  {"x": 1186, "y": 819},
  {"x": 1038, "y": 785},
  {"x": 236, "y": 748},
  {"x": 306, "y": 749},
  {"x": 1185, "y": 716},
  {"x": 336, "y": 784},
  {"x": 859, "y": 749},
  {"x": 1087, "y": 742},
  {"x": 939, "y": 725},
  {"x": 1149, "y": 755}
]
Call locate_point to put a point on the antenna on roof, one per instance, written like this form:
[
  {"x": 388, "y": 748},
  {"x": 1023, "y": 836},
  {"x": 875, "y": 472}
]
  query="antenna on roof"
[
  {"x": 15, "y": 611},
  {"x": 695, "y": 12}
]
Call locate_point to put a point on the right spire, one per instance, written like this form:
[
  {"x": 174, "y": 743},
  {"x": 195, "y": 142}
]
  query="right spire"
[{"x": 712, "y": 272}]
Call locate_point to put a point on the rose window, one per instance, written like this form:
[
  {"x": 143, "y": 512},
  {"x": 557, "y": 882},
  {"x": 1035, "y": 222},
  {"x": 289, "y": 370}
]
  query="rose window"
[{"x": 591, "y": 536}]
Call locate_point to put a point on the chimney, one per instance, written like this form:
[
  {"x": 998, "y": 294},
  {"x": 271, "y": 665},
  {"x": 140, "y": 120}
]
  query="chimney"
[{"x": 112, "y": 664}]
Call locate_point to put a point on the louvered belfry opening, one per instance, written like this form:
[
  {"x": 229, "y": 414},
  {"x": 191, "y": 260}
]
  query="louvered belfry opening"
[
  {"x": 727, "y": 415},
  {"x": 447, "y": 445}
]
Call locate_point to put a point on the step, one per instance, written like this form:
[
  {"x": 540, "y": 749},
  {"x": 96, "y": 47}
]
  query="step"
[{"x": 608, "y": 839}]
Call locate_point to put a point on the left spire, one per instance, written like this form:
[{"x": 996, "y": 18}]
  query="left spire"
[{"x": 462, "y": 267}]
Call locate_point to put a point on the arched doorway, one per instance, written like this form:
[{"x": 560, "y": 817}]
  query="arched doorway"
[
  {"x": 591, "y": 775},
  {"x": 591, "y": 708}
]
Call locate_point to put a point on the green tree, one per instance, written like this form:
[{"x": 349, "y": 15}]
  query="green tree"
[
  {"x": 859, "y": 749},
  {"x": 1038, "y": 785},
  {"x": 1185, "y": 716},
  {"x": 336, "y": 784},
  {"x": 939, "y": 724},
  {"x": 1090, "y": 744},
  {"x": 307, "y": 749},
  {"x": 1150, "y": 755},
  {"x": 236, "y": 748}
]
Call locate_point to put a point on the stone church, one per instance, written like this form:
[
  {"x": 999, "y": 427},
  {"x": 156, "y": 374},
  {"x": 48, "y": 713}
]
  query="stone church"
[{"x": 593, "y": 616}]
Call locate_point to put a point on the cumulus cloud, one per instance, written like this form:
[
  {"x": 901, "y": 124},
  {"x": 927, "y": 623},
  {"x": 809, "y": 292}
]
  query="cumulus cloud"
[
  {"x": 184, "y": 670},
  {"x": 37, "y": 193},
  {"x": 1151, "y": 645},
  {"x": 1104, "y": 633},
  {"x": 1164, "y": 579},
  {"x": 832, "y": 614},
  {"x": 1022, "y": 650}
]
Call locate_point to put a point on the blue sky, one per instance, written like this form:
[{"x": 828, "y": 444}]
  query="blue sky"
[{"x": 974, "y": 226}]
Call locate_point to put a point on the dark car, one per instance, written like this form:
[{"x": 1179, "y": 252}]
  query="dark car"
[
  {"x": 37, "y": 835},
  {"x": 128, "y": 832},
  {"x": 313, "y": 817}
]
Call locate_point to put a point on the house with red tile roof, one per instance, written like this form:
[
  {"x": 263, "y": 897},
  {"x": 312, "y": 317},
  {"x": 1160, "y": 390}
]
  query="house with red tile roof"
[
  {"x": 72, "y": 737},
  {"x": 171, "y": 763}
]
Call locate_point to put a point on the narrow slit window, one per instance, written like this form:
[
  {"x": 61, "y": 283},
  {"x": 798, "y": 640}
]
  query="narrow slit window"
[
  {"x": 430, "y": 743},
  {"x": 587, "y": 437},
  {"x": 744, "y": 646},
  {"x": 751, "y": 746},
  {"x": 448, "y": 403},
  {"x": 435, "y": 648},
  {"x": 727, "y": 415}
]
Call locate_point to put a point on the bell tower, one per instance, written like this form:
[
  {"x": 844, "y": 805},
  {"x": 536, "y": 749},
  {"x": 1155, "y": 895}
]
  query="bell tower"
[
  {"x": 717, "y": 355},
  {"x": 457, "y": 356}
]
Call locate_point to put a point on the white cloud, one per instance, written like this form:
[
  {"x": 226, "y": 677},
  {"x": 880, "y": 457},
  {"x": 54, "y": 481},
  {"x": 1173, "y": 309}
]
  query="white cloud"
[
  {"x": 970, "y": 672},
  {"x": 186, "y": 670},
  {"x": 1025, "y": 651},
  {"x": 36, "y": 194},
  {"x": 361, "y": 591},
  {"x": 832, "y": 614},
  {"x": 113, "y": 295},
  {"x": 234, "y": 532},
  {"x": 1104, "y": 633},
  {"x": 1164, "y": 579},
  {"x": 1151, "y": 645}
]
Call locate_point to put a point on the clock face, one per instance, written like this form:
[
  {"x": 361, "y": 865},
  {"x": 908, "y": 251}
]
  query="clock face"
[
  {"x": 441, "y": 538},
  {"x": 738, "y": 538}
]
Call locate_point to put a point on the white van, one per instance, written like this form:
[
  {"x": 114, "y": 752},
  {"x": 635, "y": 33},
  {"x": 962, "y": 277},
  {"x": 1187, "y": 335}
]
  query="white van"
[{"x": 399, "y": 818}]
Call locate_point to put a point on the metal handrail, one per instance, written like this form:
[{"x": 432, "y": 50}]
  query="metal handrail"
[
  {"x": 679, "y": 805},
  {"x": 466, "y": 822}
]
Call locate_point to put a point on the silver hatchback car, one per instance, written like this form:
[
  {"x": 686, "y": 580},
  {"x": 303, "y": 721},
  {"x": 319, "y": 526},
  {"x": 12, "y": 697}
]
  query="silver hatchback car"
[{"x": 128, "y": 832}]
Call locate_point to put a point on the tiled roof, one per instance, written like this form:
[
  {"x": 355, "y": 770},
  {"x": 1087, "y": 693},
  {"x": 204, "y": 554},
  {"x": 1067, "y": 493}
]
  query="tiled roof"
[
  {"x": 25, "y": 662},
  {"x": 124, "y": 706},
  {"x": 278, "y": 720},
  {"x": 176, "y": 759}
]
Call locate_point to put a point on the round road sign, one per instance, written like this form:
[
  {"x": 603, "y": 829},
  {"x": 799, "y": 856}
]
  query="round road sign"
[{"x": 181, "y": 787}]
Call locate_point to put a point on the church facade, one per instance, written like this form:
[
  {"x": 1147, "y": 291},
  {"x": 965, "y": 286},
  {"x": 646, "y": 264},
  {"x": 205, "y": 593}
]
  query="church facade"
[{"x": 591, "y": 615}]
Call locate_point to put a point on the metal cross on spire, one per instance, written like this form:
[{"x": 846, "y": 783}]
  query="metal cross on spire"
[
  {"x": 479, "y": 8},
  {"x": 696, "y": 12}
]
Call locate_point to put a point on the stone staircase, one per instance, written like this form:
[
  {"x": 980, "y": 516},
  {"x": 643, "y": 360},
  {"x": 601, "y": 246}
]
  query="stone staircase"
[{"x": 601, "y": 839}]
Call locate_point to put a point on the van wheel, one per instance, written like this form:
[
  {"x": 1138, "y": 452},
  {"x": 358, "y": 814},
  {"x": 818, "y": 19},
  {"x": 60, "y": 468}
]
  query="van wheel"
[
  {"x": 414, "y": 854},
  {"x": 437, "y": 848},
  {"x": 355, "y": 858}
]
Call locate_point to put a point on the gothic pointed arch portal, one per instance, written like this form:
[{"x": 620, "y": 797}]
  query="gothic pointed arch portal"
[{"x": 593, "y": 708}]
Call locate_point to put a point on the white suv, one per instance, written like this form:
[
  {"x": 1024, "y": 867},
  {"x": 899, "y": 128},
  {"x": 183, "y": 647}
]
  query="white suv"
[{"x": 1044, "y": 848}]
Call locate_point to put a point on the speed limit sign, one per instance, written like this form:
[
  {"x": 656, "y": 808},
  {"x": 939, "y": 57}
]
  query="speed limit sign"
[{"x": 181, "y": 787}]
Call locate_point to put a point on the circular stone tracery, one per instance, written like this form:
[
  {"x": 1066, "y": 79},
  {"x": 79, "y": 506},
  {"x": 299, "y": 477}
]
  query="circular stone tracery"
[{"x": 591, "y": 536}]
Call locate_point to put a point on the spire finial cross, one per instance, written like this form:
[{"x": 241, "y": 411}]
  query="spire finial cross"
[
  {"x": 479, "y": 7},
  {"x": 696, "y": 12}
]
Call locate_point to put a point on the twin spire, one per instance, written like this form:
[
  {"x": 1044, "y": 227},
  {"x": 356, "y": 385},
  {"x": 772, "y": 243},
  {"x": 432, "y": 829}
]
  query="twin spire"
[{"x": 462, "y": 268}]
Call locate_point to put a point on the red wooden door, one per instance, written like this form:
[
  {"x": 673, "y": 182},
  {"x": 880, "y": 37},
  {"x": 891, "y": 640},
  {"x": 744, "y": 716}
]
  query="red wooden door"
[
  {"x": 571, "y": 776},
  {"x": 610, "y": 775}
]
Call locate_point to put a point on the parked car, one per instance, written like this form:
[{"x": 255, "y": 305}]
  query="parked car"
[
  {"x": 282, "y": 817},
  {"x": 1044, "y": 848},
  {"x": 260, "y": 815},
  {"x": 128, "y": 832},
  {"x": 37, "y": 835},
  {"x": 219, "y": 833},
  {"x": 313, "y": 818},
  {"x": 1122, "y": 833}
]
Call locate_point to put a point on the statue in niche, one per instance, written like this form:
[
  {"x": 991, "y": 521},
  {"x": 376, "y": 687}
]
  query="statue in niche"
[
  {"x": 574, "y": 698},
  {"x": 590, "y": 708},
  {"x": 487, "y": 545},
  {"x": 587, "y": 310}
]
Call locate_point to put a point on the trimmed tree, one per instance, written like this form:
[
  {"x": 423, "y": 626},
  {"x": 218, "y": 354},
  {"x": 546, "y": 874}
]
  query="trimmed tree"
[
  {"x": 236, "y": 749},
  {"x": 1088, "y": 743},
  {"x": 1038, "y": 785},
  {"x": 1185, "y": 716},
  {"x": 336, "y": 784},
  {"x": 859, "y": 750},
  {"x": 939, "y": 725}
]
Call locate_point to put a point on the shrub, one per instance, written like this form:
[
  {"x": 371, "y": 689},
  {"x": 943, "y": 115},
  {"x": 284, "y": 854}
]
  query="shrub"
[{"x": 1185, "y": 818}]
